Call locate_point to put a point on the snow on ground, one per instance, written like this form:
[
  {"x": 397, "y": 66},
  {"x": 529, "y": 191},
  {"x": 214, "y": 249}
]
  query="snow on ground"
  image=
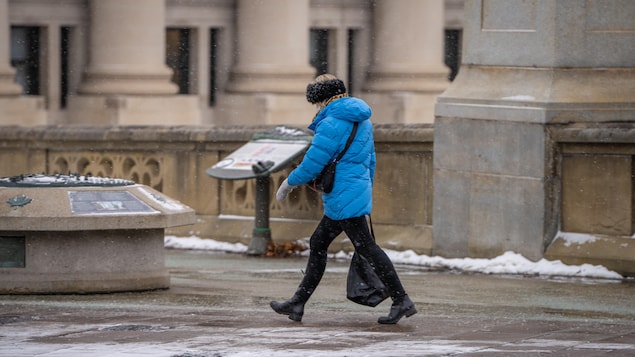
[
  {"x": 507, "y": 263},
  {"x": 528, "y": 98}
]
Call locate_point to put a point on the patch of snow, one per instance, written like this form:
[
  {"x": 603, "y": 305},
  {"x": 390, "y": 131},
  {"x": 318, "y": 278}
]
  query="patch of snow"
[
  {"x": 251, "y": 218},
  {"x": 59, "y": 180},
  {"x": 575, "y": 238},
  {"x": 520, "y": 97},
  {"x": 275, "y": 141},
  {"x": 203, "y": 244},
  {"x": 507, "y": 263},
  {"x": 165, "y": 202}
]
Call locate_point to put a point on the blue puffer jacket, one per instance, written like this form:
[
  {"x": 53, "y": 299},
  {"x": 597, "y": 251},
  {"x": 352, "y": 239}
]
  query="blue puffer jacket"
[{"x": 352, "y": 192}]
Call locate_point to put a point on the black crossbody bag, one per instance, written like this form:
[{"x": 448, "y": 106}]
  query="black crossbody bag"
[{"x": 326, "y": 179}]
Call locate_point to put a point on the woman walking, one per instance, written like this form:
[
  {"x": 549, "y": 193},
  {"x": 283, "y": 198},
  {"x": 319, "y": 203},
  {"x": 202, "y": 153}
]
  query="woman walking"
[{"x": 346, "y": 206}]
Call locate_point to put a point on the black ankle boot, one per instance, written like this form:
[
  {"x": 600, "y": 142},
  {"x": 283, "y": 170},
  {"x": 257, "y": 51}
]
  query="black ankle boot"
[
  {"x": 293, "y": 307},
  {"x": 398, "y": 310}
]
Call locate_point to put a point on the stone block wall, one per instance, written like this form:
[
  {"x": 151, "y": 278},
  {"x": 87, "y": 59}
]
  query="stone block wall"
[
  {"x": 596, "y": 206},
  {"x": 598, "y": 179}
]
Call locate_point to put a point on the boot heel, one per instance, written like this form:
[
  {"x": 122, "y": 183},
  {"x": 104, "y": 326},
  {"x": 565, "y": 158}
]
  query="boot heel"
[
  {"x": 398, "y": 310},
  {"x": 292, "y": 308},
  {"x": 295, "y": 317},
  {"x": 410, "y": 312}
]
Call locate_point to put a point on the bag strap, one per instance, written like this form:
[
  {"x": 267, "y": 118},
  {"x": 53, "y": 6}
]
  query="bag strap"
[
  {"x": 370, "y": 223},
  {"x": 348, "y": 142}
]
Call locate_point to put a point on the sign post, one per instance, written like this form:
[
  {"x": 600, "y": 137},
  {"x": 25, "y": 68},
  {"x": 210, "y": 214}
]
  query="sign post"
[
  {"x": 261, "y": 234},
  {"x": 263, "y": 155}
]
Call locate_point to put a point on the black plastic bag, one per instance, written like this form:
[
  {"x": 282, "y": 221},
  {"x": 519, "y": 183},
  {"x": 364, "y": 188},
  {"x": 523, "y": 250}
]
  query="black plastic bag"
[{"x": 363, "y": 286}]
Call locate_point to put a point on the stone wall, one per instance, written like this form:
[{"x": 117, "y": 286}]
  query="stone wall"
[
  {"x": 173, "y": 160},
  {"x": 592, "y": 169},
  {"x": 595, "y": 166}
]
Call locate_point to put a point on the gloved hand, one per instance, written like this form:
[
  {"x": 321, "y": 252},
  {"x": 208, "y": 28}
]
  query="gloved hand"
[{"x": 284, "y": 190}]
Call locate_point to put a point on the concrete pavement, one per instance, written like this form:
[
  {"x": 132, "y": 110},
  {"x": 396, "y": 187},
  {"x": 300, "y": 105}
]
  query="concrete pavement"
[{"x": 218, "y": 305}]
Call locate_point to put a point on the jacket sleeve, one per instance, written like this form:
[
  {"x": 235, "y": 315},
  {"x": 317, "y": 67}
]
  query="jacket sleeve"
[{"x": 323, "y": 148}]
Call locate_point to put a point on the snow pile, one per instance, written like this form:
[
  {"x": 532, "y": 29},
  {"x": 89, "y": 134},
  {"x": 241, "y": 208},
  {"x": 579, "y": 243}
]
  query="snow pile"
[
  {"x": 520, "y": 97},
  {"x": 59, "y": 180},
  {"x": 196, "y": 243},
  {"x": 507, "y": 263}
]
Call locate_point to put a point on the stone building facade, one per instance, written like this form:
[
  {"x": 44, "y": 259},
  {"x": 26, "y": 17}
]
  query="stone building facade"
[
  {"x": 531, "y": 148},
  {"x": 217, "y": 62}
]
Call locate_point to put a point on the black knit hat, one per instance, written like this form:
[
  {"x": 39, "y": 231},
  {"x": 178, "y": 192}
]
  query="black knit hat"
[{"x": 320, "y": 91}]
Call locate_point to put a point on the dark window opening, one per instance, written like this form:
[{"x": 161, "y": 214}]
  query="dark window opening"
[
  {"x": 453, "y": 52},
  {"x": 319, "y": 53},
  {"x": 633, "y": 194},
  {"x": 64, "y": 64},
  {"x": 25, "y": 58},
  {"x": 178, "y": 57},
  {"x": 351, "y": 60},
  {"x": 213, "y": 62}
]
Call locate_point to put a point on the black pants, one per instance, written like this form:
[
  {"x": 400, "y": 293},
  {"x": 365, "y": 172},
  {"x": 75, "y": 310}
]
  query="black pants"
[{"x": 357, "y": 231}]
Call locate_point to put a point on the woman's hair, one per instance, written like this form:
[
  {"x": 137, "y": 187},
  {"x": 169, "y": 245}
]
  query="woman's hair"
[{"x": 324, "y": 87}]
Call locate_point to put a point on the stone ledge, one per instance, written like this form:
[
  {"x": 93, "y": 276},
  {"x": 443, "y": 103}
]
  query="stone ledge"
[
  {"x": 78, "y": 283},
  {"x": 614, "y": 253},
  {"x": 623, "y": 132},
  {"x": 541, "y": 95},
  {"x": 171, "y": 134}
]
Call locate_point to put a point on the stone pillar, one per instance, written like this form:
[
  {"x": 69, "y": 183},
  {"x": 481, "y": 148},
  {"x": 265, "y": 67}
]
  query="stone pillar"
[
  {"x": 268, "y": 83},
  {"x": 407, "y": 73},
  {"x": 528, "y": 67},
  {"x": 127, "y": 49},
  {"x": 127, "y": 80},
  {"x": 14, "y": 108}
]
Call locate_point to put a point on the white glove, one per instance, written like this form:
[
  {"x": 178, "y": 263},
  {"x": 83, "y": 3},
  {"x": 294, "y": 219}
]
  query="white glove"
[{"x": 284, "y": 190}]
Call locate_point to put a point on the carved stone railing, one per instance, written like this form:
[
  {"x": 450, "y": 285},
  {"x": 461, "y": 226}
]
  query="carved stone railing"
[{"x": 173, "y": 160}]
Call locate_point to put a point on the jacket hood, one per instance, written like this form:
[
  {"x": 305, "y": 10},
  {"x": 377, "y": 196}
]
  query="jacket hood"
[{"x": 348, "y": 109}]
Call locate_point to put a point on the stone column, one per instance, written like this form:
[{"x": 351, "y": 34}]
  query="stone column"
[
  {"x": 14, "y": 108},
  {"x": 126, "y": 80},
  {"x": 407, "y": 73},
  {"x": 528, "y": 68},
  {"x": 272, "y": 68},
  {"x": 127, "y": 49}
]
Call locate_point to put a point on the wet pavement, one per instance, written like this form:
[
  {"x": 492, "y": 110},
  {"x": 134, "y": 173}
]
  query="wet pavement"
[{"x": 218, "y": 305}]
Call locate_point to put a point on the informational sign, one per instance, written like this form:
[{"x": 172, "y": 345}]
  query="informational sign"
[
  {"x": 106, "y": 203},
  {"x": 264, "y": 154}
]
